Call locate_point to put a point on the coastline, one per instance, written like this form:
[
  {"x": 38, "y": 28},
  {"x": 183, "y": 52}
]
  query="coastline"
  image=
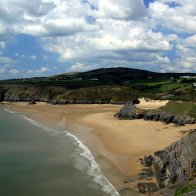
[{"x": 116, "y": 144}]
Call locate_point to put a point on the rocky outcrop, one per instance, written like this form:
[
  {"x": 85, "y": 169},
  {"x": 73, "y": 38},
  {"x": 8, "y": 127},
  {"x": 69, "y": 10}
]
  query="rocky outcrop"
[
  {"x": 147, "y": 187},
  {"x": 127, "y": 112},
  {"x": 26, "y": 100},
  {"x": 63, "y": 102},
  {"x": 2, "y": 95},
  {"x": 177, "y": 162},
  {"x": 166, "y": 118},
  {"x": 32, "y": 102}
]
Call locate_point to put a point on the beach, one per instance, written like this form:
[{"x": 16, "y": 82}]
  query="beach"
[{"x": 116, "y": 144}]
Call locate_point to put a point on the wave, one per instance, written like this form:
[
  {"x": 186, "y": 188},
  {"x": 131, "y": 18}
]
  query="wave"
[
  {"x": 22, "y": 115},
  {"x": 7, "y": 109},
  {"x": 44, "y": 127},
  {"x": 94, "y": 169}
]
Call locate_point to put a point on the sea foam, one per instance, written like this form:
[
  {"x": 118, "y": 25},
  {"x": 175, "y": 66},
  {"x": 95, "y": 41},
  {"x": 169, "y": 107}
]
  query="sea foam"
[
  {"x": 7, "y": 109},
  {"x": 93, "y": 170}
]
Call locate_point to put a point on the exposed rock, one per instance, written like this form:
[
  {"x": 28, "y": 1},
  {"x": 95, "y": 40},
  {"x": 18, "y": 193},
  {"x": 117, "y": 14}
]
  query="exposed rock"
[
  {"x": 177, "y": 162},
  {"x": 117, "y": 102},
  {"x": 147, "y": 187},
  {"x": 147, "y": 161},
  {"x": 152, "y": 116},
  {"x": 184, "y": 119},
  {"x": 136, "y": 101},
  {"x": 2, "y": 95},
  {"x": 62, "y": 102},
  {"x": 179, "y": 121},
  {"x": 146, "y": 174},
  {"x": 140, "y": 115},
  {"x": 166, "y": 118},
  {"x": 32, "y": 102},
  {"x": 189, "y": 120},
  {"x": 127, "y": 112}
]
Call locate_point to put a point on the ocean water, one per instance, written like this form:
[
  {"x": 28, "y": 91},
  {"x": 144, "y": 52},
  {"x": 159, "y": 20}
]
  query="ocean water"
[{"x": 37, "y": 160}]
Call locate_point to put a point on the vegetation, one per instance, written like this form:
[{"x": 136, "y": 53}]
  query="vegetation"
[
  {"x": 182, "y": 189},
  {"x": 180, "y": 108},
  {"x": 101, "y": 93},
  {"x": 117, "y": 84}
]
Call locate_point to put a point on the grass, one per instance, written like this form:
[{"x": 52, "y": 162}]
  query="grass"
[
  {"x": 173, "y": 107},
  {"x": 102, "y": 93},
  {"x": 161, "y": 87},
  {"x": 182, "y": 189}
]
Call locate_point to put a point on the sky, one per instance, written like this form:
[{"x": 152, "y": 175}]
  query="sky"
[{"x": 48, "y": 37}]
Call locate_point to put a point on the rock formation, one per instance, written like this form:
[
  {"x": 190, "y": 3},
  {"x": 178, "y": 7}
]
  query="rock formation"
[
  {"x": 177, "y": 162},
  {"x": 32, "y": 102},
  {"x": 174, "y": 165},
  {"x": 1, "y": 95},
  {"x": 179, "y": 120},
  {"x": 127, "y": 112}
]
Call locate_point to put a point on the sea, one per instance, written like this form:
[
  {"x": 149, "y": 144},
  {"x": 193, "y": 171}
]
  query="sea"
[{"x": 38, "y": 160}]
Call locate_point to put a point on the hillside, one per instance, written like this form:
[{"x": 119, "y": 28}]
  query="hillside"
[{"x": 101, "y": 85}]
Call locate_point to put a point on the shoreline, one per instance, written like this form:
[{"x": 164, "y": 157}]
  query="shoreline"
[{"x": 116, "y": 144}]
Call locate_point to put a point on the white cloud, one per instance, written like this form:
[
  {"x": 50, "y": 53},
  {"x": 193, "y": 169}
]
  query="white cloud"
[
  {"x": 81, "y": 67},
  {"x": 115, "y": 9},
  {"x": 88, "y": 33},
  {"x": 43, "y": 70},
  {"x": 2, "y": 44},
  {"x": 181, "y": 18},
  {"x": 33, "y": 57},
  {"x": 45, "y": 57},
  {"x": 14, "y": 72},
  {"x": 6, "y": 60},
  {"x": 2, "y": 70}
]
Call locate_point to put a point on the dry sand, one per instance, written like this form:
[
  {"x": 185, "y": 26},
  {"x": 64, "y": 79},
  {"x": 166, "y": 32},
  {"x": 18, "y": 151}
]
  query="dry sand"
[{"x": 116, "y": 144}]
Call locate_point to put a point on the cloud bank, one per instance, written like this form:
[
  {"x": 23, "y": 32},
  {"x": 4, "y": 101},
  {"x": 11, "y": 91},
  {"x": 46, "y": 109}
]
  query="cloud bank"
[{"x": 88, "y": 34}]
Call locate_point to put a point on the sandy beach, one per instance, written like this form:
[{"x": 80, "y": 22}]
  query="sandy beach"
[{"x": 116, "y": 144}]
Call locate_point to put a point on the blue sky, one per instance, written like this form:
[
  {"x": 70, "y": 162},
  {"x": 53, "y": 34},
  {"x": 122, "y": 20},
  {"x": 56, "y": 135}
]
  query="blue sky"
[{"x": 47, "y": 37}]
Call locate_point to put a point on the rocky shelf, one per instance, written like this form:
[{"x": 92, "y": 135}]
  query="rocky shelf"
[{"x": 130, "y": 112}]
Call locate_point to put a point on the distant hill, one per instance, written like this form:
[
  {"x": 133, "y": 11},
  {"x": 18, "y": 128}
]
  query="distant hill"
[
  {"x": 117, "y": 74},
  {"x": 102, "y": 85},
  {"x": 122, "y": 74}
]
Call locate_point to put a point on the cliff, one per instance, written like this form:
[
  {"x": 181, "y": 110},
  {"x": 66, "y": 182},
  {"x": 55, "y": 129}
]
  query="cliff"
[
  {"x": 174, "y": 168},
  {"x": 177, "y": 162}
]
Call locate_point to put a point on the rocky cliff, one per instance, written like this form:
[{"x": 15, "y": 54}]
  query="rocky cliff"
[
  {"x": 174, "y": 168},
  {"x": 177, "y": 162}
]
